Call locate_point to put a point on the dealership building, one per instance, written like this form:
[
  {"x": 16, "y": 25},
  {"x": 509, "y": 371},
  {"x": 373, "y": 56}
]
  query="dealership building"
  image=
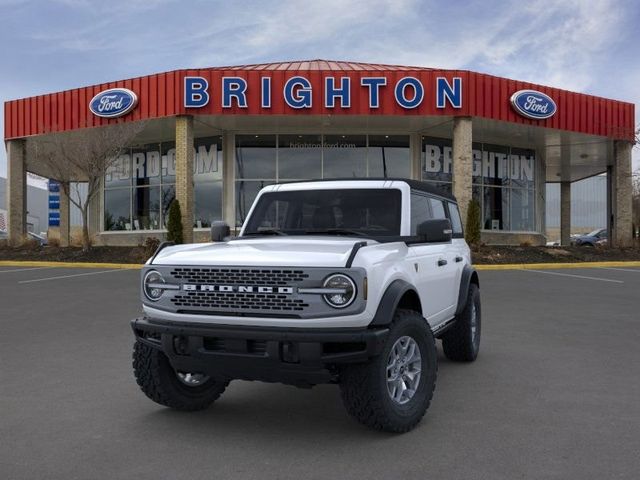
[{"x": 213, "y": 137}]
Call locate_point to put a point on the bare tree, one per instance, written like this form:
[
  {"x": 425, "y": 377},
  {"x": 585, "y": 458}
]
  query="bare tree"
[{"x": 82, "y": 156}]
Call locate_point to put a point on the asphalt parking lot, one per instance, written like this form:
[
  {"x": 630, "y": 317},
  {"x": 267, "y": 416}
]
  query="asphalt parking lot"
[{"x": 555, "y": 393}]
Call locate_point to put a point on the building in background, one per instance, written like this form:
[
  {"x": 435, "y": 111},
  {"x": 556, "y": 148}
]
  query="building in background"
[
  {"x": 37, "y": 207},
  {"x": 213, "y": 137}
]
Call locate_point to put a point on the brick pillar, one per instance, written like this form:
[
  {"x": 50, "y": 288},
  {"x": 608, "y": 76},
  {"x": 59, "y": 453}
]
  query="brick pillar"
[
  {"x": 621, "y": 236},
  {"x": 184, "y": 173},
  {"x": 64, "y": 217},
  {"x": 462, "y": 163},
  {"x": 565, "y": 213},
  {"x": 16, "y": 191}
]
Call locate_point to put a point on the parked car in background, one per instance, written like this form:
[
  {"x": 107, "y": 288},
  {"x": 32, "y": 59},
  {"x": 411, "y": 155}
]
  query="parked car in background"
[
  {"x": 41, "y": 239},
  {"x": 597, "y": 237}
]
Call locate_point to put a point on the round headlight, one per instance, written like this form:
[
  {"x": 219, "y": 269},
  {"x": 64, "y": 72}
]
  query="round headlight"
[
  {"x": 345, "y": 291},
  {"x": 151, "y": 287}
]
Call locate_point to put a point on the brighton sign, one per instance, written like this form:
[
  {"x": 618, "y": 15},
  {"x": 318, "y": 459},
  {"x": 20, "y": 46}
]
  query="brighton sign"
[
  {"x": 113, "y": 103},
  {"x": 297, "y": 92},
  {"x": 533, "y": 104}
]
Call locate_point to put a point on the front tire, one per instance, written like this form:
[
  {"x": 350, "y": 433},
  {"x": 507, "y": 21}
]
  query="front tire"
[
  {"x": 178, "y": 390},
  {"x": 384, "y": 394},
  {"x": 462, "y": 342}
]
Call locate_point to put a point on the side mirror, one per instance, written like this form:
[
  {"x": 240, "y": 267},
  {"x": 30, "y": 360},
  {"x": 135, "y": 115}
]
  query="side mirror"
[
  {"x": 219, "y": 231},
  {"x": 435, "y": 230}
]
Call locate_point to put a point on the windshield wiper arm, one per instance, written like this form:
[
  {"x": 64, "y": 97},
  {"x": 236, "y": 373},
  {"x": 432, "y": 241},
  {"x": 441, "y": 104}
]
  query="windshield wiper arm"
[
  {"x": 338, "y": 231},
  {"x": 270, "y": 231}
]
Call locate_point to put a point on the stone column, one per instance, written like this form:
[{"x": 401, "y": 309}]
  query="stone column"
[
  {"x": 621, "y": 236},
  {"x": 64, "y": 217},
  {"x": 462, "y": 163},
  {"x": 565, "y": 213},
  {"x": 184, "y": 173},
  {"x": 16, "y": 192}
]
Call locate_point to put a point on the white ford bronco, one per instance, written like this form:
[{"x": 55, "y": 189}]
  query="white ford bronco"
[{"x": 331, "y": 281}]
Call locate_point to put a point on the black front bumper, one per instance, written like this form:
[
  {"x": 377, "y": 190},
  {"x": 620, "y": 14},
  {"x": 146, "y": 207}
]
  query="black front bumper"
[{"x": 295, "y": 356}]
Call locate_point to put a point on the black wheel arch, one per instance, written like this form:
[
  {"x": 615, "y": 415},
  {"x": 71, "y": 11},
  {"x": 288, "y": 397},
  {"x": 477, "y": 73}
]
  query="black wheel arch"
[
  {"x": 469, "y": 276},
  {"x": 399, "y": 294}
]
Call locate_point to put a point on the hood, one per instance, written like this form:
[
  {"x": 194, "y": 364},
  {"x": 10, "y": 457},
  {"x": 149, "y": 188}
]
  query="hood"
[{"x": 311, "y": 251}]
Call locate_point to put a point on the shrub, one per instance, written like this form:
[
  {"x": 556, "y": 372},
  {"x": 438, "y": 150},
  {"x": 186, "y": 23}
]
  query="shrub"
[
  {"x": 174, "y": 224},
  {"x": 472, "y": 231},
  {"x": 151, "y": 244},
  {"x": 53, "y": 242}
]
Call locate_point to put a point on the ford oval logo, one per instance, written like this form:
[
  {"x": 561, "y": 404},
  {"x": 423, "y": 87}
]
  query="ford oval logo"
[
  {"x": 533, "y": 104},
  {"x": 114, "y": 102}
]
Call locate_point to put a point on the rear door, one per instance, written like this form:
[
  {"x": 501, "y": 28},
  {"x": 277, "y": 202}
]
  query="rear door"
[{"x": 434, "y": 263}]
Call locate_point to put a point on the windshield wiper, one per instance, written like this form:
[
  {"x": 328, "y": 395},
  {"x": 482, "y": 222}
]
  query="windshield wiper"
[
  {"x": 270, "y": 231},
  {"x": 337, "y": 231}
]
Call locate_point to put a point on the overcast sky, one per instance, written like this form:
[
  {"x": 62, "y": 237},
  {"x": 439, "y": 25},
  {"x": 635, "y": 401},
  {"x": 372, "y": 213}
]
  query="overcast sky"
[{"x": 584, "y": 45}]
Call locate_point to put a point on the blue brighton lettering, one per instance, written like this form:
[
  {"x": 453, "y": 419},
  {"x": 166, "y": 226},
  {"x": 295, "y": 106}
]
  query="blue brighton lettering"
[
  {"x": 331, "y": 92},
  {"x": 444, "y": 92},
  {"x": 373, "y": 84},
  {"x": 266, "y": 92},
  {"x": 234, "y": 87},
  {"x": 297, "y": 92},
  {"x": 195, "y": 92},
  {"x": 400, "y": 92}
]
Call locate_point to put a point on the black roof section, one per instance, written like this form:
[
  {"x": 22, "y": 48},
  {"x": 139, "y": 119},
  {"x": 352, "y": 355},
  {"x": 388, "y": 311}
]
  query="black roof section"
[{"x": 426, "y": 187}]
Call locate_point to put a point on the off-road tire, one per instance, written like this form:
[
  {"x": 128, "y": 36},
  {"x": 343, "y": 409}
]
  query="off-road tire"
[
  {"x": 459, "y": 343},
  {"x": 159, "y": 381},
  {"x": 364, "y": 386}
]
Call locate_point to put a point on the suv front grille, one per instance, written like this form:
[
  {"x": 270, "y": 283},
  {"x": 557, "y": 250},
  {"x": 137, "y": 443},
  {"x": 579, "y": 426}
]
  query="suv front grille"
[
  {"x": 233, "y": 276},
  {"x": 239, "y": 301}
]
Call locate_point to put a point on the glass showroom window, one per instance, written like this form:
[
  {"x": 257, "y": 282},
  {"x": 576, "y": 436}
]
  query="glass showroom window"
[
  {"x": 266, "y": 159},
  {"x": 389, "y": 156},
  {"x": 344, "y": 156},
  {"x": 503, "y": 180},
  {"x": 140, "y": 186},
  {"x": 117, "y": 194},
  {"x": 207, "y": 181},
  {"x": 256, "y": 166}
]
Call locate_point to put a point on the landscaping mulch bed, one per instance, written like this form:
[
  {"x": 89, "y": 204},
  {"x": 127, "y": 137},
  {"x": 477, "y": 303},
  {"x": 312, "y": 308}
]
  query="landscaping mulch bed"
[
  {"x": 483, "y": 255},
  {"x": 492, "y": 255},
  {"x": 134, "y": 255}
]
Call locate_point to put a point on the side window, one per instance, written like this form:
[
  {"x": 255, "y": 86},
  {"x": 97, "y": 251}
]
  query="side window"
[
  {"x": 420, "y": 211},
  {"x": 456, "y": 222},
  {"x": 437, "y": 208}
]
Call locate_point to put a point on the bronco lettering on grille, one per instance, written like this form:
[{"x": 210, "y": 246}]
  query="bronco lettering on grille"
[{"x": 237, "y": 289}]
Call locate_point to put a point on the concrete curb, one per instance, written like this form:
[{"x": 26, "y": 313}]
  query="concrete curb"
[
  {"x": 558, "y": 266},
  {"x": 507, "y": 266}
]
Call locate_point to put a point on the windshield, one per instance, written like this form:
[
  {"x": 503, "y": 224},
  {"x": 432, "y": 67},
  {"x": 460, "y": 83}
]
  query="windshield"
[
  {"x": 595, "y": 233},
  {"x": 359, "y": 212}
]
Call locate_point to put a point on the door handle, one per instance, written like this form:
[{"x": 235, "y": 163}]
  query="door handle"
[
  {"x": 442, "y": 262},
  {"x": 458, "y": 259}
]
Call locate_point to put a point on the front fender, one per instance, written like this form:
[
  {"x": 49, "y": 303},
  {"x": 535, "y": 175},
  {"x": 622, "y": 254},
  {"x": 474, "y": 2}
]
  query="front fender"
[{"x": 389, "y": 302}]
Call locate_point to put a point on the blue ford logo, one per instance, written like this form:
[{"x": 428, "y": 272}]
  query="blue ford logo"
[
  {"x": 533, "y": 104},
  {"x": 114, "y": 102}
]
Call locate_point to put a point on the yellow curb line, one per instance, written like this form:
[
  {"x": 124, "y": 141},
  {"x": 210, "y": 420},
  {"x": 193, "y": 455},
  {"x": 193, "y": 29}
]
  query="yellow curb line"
[
  {"x": 508, "y": 266},
  {"x": 549, "y": 266},
  {"x": 29, "y": 263}
]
